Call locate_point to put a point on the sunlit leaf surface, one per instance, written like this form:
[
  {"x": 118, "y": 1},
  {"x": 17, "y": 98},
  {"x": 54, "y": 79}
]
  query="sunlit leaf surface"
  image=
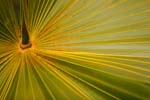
[{"x": 81, "y": 50}]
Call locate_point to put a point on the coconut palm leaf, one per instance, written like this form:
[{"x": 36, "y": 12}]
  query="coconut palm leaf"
[{"x": 74, "y": 50}]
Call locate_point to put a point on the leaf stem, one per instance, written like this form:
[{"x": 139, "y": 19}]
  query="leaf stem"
[
  {"x": 25, "y": 35},
  {"x": 25, "y": 38}
]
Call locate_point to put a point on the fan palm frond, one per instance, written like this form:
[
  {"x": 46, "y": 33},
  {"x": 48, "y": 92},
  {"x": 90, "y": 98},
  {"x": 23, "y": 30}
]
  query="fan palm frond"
[{"x": 74, "y": 50}]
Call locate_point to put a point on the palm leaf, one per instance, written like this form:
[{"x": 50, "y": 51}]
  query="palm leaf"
[{"x": 80, "y": 50}]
